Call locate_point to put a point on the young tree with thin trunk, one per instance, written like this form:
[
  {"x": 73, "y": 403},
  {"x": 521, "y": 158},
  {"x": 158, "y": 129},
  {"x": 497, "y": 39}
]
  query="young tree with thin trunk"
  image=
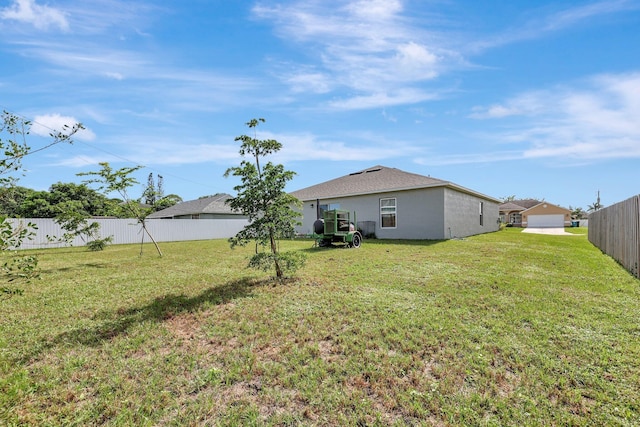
[
  {"x": 119, "y": 181},
  {"x": 262, "y": 197},
  {"x": 15, "y": 266}
]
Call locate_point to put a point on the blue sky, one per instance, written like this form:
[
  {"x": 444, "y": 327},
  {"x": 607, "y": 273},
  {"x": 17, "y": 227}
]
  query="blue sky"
[{"x": 534, "y": 99}]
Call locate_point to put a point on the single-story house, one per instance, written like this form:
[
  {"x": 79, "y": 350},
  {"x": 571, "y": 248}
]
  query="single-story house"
[
  {"x": 545, "y": 214},
  {"x": 393, "y": 204},
  {"x": 511, "y": 211},
  {"x": 211, "y": 207}
]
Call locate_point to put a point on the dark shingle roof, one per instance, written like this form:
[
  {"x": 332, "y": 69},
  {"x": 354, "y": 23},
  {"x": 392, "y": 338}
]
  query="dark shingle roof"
[
  {"x": 376, "y": 179},
  {"x": 510, "y": 206},
  {"x": 521, "y": 203},
  {"x": 212, "y": 204}
]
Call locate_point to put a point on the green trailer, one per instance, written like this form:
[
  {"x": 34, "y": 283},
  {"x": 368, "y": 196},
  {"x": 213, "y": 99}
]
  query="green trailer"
[{"x": 337, "y": 226}]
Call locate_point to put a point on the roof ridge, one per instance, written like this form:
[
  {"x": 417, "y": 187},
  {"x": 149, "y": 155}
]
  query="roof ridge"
[{"x": 371, "y": 180}]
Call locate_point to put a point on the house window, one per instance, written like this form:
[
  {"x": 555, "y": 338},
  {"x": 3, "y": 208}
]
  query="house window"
[
  {"x": 481, "y": 213},
  {"x": 328, "y": 207},
  {"x": 388, "y": 213},
  {"x": 195, "y": 216}
]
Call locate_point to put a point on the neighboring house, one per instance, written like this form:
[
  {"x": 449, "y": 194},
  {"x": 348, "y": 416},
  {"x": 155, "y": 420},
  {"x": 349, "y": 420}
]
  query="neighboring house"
[
  {"x": 511, "y": 211},
  {"x": 212, "y": 207},
  {"x": 393, "y": 204},
  {"x": 546, "y": 215},
  {"x": 534, "y": 213}
]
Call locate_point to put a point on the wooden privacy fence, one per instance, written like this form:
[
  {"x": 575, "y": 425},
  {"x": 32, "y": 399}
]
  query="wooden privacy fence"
[
  {"x": 130, "y": 231},
  {"x": 616, "y": 231}
]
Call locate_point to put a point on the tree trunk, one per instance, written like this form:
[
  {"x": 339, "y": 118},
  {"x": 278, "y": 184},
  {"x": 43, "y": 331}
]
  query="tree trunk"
[
  {"x": 144, "y": 227},
  {"x": 274, "y": 251}
]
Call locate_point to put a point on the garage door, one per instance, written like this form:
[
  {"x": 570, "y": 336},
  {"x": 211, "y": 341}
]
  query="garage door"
[{"x": 545, "y": 221}]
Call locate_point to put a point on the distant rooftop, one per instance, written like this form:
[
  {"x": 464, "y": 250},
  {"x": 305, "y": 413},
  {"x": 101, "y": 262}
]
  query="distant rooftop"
[
  {"x": 215, "y": 204},
  {"x": 520, "y": 204}
]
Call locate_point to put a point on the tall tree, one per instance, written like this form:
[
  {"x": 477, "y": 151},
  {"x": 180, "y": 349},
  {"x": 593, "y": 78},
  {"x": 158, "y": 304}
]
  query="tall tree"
[
  {"x": 150, "y": 193},
  {"x": 153, "y": 194},
  {"x": 596, "y": 205},
  {"x": 262, "y": 198},
  {"x": 160, "y": 187}
]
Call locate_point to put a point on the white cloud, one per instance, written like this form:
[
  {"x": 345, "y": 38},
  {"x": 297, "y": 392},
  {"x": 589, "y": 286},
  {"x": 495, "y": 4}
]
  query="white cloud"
[
  {"x": 375, "y": 10},
  {"x": 87, "y": 59},
  {"x": 526, "y": 104},
  {"x": 415, "y": 60},
  {"x": 44, "y": 125},
  {"x": 114, "y": 75},
  {"x": 493, "y": 111},
  {"x": 541, "y": 26},
  {"x": 306, "y": 146},
  {"x": 309, "y": 82},
  {"x": 598, "y": 120},
  {"x": 382, "y": 99},
  {"x": 461, "y": 159},
  {"x": 41, "y": 17},
  {"x": 138, "y": 150},
  {"x": 389, "y": 117},
  {"x": 82, "y": 161},
  {"x": 158, "y": 150},
  {"x": 369, "y": 47}
]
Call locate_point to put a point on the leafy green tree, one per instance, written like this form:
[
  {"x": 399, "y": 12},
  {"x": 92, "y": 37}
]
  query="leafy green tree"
[
  {"x": 11, "y": 200},
  {"x": 577, "y": 213},
  {"x": 153, "y": 194},
  {"x": 262, "y": 198},
  {"x": 16, "y": 266},
  {"x": 90, "y": 201},
  {"x": 74, "y": 220},
  {"x": 167, "y": 201},
  {"x": 119, "y": 181},
  {"x": 23, "y": 202},
  {"x": 37, "y": 205}
]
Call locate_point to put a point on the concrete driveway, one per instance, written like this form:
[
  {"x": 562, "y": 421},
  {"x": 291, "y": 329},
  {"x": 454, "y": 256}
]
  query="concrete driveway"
[{"x": 547, "y": 230}]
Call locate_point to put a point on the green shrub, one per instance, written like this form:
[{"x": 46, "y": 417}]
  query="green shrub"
[
  {"x": 289, "y": 261},
  {"x": 99, "y": 244}
]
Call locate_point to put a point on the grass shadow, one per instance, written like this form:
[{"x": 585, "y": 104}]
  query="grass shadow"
[
  {"x": 76, "y": 267},
  {"x": 393, "y": 242},
  {"x": 114, "y": 323}
]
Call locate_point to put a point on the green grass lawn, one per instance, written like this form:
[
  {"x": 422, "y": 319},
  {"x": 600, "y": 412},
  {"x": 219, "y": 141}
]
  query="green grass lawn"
[{"x": 498, "y": 329}]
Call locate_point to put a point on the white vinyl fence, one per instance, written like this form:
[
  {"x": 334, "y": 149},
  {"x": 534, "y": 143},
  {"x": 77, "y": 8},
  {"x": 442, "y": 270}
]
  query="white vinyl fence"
[{"x": 130, "y": 231}]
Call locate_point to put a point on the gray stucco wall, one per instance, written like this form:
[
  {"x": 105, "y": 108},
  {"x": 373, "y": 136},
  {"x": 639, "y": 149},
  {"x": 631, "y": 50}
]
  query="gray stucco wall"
[
  {"x": 426, "y": 214},
  {"x": 462, "y": 213},
  {"x": 419, "y": 213}
]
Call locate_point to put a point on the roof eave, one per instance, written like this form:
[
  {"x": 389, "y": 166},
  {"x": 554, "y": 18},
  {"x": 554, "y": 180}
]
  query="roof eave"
[{"x": 418, "y": 187}]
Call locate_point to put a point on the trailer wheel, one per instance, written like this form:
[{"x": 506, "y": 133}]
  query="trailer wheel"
[{"x": 356, "y": 240}]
